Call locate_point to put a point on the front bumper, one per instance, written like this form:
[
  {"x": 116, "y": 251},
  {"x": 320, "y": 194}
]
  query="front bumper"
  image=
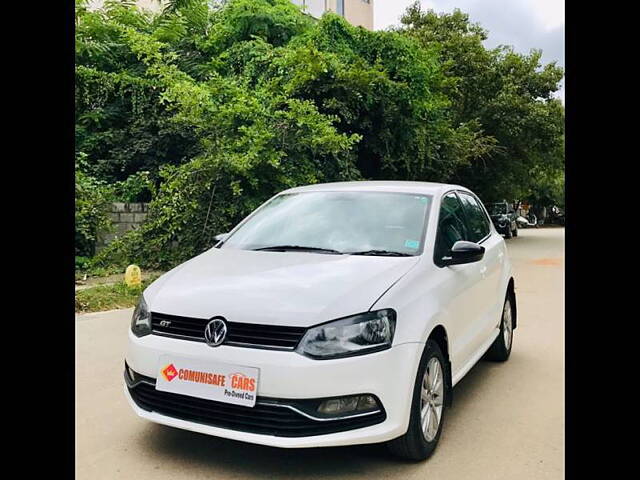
[{"x": 389, "y": 375}]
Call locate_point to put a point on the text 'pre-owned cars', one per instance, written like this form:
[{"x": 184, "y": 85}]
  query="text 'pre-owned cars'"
[{"x": 334, "y": 314}]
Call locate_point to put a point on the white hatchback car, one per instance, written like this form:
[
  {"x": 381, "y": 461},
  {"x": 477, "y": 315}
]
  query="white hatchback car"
[{"x": 334, "y": 314}]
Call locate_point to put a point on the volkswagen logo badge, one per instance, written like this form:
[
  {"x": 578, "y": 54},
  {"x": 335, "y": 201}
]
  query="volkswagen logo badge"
[{"x": 215, "y": 332}]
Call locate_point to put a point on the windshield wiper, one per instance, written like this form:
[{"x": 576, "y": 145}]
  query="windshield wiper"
[
  {"x": 284, "y": 248},
  {"x": 381, "y": 253}
]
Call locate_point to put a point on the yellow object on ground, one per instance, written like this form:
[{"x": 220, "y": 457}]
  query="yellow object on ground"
[{"x": 133, "y": 276}]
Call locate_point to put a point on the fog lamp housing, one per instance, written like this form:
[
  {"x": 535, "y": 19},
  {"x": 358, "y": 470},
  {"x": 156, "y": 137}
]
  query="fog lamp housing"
[
  {"x": 131, "y": 373},
  {"x": 348, "y": 405}
]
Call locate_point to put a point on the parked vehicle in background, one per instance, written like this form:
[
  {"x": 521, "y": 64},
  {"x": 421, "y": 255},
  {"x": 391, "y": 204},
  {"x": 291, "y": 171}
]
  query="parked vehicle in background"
[
  {"x": 334, "y": 314},
  {"x": 557, "y": 216},
  {"x": 527, "y": 222},
  {"x": 504, "y": 218}
]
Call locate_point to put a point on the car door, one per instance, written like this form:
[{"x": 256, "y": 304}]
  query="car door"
[
  {"x": 489, "y": 297},
  {"x": 460, "y": 284}
]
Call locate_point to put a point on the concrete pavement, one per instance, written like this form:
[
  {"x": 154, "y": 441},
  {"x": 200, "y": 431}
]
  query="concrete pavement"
[{"x": 507, "y": 420}]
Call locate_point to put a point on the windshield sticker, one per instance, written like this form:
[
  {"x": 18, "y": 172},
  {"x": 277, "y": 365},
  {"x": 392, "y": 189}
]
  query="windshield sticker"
[{"x": 412, "y": 244}]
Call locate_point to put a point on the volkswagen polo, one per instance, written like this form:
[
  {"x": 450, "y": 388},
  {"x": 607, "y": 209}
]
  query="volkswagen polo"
[{"x": 334, "y": 314}]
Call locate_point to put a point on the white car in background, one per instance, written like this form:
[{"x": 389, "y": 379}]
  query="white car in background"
[{"x": 334, "y": 314}]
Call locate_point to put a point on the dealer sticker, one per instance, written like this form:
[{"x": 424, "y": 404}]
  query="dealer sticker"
[
  {"x": 210, "y": 380},
  {"x": 412, "y": 244}
]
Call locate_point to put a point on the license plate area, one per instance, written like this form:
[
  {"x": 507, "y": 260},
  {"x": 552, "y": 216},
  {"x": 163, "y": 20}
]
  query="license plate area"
[{"x": 222, "y": 382}]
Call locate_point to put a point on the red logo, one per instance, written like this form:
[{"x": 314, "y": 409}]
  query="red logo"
[
  {"x": 242, "y": 382},
  {"x": 169, "y": 372}
]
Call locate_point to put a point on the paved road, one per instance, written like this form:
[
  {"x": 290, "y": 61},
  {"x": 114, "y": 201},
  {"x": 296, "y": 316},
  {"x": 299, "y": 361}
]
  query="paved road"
[{"x": 507, "y": 420}]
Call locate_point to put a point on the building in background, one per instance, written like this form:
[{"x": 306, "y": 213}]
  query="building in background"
[{"x": 356, "y": 12}]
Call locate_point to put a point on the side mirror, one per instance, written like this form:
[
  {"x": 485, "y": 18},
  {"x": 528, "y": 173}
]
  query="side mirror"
[
  {"x": 463, "y": 252},
  {"x": 221, "y": 237}
]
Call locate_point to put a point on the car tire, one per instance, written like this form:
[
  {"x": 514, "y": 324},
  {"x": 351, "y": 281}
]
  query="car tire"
[
  {"x": 417, "y": 444},
  {"x": 508, "y": 233},
  {"x": 515, "y": 232},
  {"x": 501, "y": 347}
]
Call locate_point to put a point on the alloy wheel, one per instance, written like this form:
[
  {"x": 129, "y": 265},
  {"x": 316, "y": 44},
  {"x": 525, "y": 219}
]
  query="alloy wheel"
[
  {"x": 431, "y": 399},
  {"x": 507, "y": 325}
]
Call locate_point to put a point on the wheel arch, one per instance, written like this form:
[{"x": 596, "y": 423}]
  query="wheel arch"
[
  {"x": 439, "y": 335},
  {"x": 511, "y": 292}
]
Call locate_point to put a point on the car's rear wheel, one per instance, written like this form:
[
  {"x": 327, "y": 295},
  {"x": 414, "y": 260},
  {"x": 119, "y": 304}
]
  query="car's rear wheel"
[
  {"x": 501, "y": 347},
  {"x": 430, "y": 395}
]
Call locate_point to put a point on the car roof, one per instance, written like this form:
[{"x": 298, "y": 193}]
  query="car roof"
[{"x": 427, "y": 188}]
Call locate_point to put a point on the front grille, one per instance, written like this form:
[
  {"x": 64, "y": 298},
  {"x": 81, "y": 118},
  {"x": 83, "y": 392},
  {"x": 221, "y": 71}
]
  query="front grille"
[
  {"x": 263, "y": 418},
  {"x": 238, "y": 334}
]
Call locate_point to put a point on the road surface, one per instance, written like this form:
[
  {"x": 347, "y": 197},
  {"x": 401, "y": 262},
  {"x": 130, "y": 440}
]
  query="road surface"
[{"x": 507, "y": 420}]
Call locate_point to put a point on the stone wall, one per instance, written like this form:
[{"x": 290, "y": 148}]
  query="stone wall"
[{"x": 124, "y": 217}]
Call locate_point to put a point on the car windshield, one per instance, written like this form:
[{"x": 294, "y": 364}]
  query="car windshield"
[
  {"x": 337, "y": 222},
  {"x": 497, "y": 208}
]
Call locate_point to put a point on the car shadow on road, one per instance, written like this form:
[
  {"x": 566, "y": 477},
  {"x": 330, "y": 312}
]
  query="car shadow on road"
[
  {"x": 245, "y": 460},
  {"x": 237, "y": 459}
]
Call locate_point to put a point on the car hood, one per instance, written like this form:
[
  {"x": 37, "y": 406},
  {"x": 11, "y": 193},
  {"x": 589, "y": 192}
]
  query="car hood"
[{"x": 275, "y": 288}]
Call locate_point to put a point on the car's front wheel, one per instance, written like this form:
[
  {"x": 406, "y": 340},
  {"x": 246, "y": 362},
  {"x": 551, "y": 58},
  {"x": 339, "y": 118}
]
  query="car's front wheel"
[{"x": 430, "y": 395}]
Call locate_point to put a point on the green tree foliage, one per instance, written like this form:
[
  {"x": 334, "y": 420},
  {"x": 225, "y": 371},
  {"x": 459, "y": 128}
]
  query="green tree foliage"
[
  {"x": 385, "y": 88},
  {"x": 227, "y": 103},
  {"x": 93, "y": 198},
  {"x": 254, "y": 139},
  {"x": 508, "y": 94},
  {"x": 121, "y": 124}
]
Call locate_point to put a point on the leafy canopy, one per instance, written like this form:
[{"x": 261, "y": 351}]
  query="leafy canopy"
[{"x": 509, "y": 94}]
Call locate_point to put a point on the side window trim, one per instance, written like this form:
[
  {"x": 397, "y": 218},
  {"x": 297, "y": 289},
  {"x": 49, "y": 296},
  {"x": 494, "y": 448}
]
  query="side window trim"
[
  {"x": 473, "y": 195},
  {"x": 487, "y": 217},
  {"x": 436, "y": 260}
]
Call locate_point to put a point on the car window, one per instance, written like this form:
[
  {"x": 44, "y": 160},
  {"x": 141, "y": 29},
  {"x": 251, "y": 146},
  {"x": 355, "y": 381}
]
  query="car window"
[
  {"x": 475, "y": 218},
  {"x": 451, "y": 226},
  {"x": 342, "y": 221}
]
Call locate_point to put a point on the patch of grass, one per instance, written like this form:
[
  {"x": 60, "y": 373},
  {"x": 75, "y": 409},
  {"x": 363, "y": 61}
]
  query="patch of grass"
[
  {"x": 109, "y": 297},
  {"x": 90, "y": 271}
]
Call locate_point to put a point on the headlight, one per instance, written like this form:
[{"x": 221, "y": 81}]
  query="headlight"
[
  {"x": 356, "y": 335},
  {"x": 141, "y": 320}
]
